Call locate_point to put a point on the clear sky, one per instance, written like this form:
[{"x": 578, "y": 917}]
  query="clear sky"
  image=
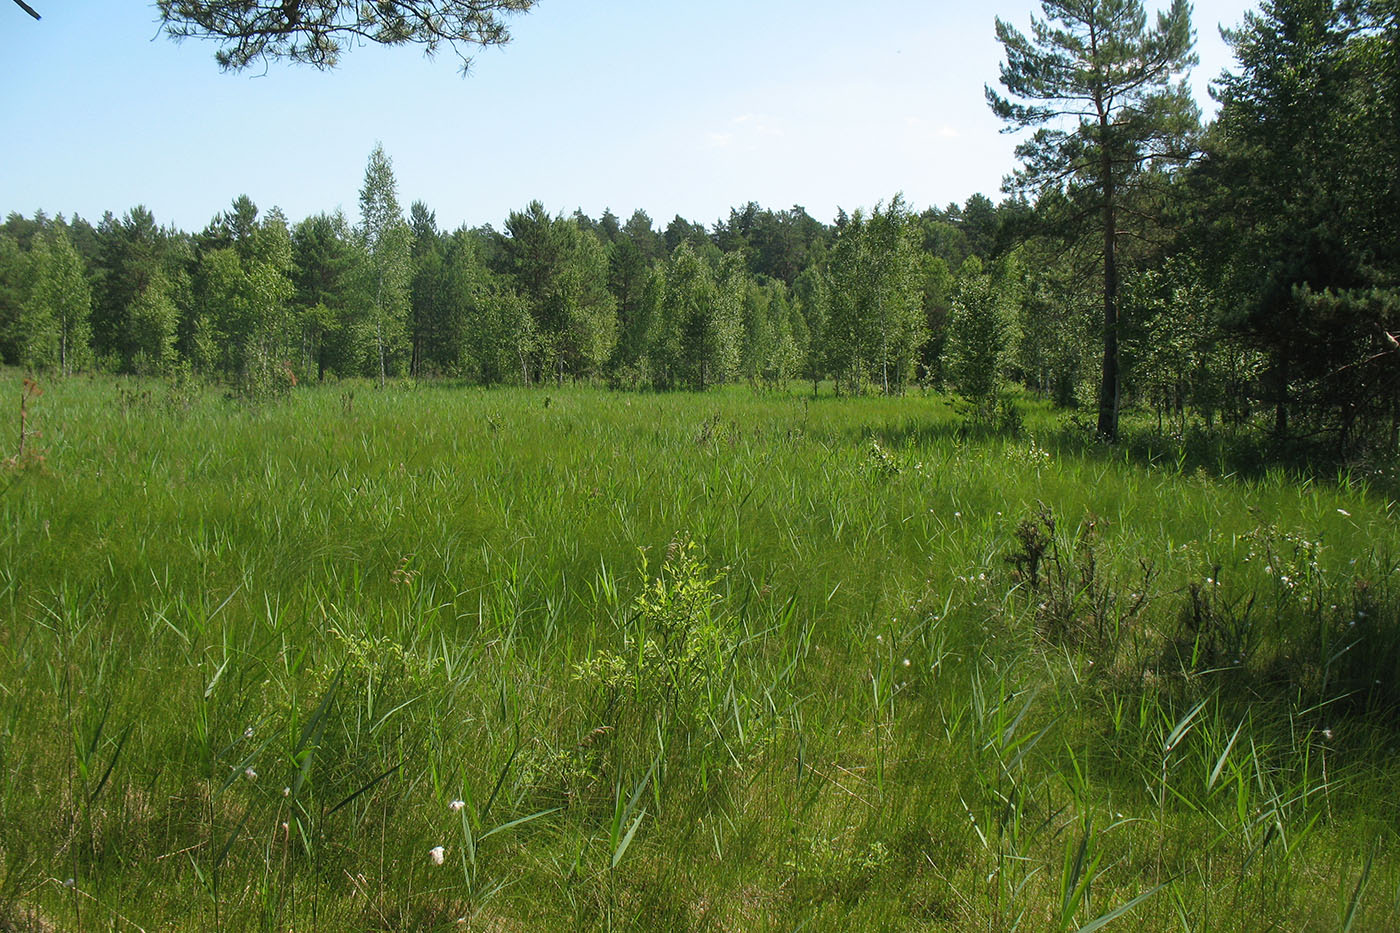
[{"x": 674, "y": 108}]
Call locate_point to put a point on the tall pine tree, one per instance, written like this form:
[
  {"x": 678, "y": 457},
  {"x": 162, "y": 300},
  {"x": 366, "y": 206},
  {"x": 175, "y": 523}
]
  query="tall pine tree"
[{"x": 1101, "y": 90}]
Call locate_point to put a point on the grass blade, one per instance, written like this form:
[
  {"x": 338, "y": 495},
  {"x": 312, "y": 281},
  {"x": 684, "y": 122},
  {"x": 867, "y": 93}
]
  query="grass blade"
[
  {"x": 1119, "y": 911},
  {"x": 627, "y": 839},
  {"x": 517, "y": 822},
  {"x": 348, "y": 800}
]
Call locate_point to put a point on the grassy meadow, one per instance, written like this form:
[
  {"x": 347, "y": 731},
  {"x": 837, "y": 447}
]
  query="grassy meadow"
[{"x": 443, "y": 658}]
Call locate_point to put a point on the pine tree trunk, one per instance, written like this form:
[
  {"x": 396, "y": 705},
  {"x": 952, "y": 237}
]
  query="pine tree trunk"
[{"x": 1108, "y": 387}]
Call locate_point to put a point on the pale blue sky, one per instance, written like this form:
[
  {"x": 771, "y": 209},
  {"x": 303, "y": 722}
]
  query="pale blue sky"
[{"x": 674, "y": 108}]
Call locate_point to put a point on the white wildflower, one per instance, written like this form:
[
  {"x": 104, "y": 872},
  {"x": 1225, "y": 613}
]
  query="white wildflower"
[
  {"x": 436, "y": 853},
  {"x": 456, "y": 805}
]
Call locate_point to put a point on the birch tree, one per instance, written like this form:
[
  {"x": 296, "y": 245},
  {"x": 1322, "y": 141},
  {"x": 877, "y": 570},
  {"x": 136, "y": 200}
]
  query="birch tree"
[{"x": 387, "y": 240}]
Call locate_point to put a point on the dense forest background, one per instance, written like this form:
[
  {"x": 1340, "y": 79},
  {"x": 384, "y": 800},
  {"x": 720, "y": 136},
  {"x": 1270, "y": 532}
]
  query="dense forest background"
[{"x": 1251, "y": 274}]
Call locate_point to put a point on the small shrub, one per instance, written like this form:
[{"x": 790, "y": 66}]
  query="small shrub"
[
  {"x": 130, "y": 399},
  {"x": 880, "y": 462},
  {"x": 713, "y": 430},
  {"x": 1074, "y": 600},
  {"x": 182, "y": 388},
  {"x": 1213, "y": 632},
  {"x": 1035, "y": 536},
  {"x": 676, "y": 644},
  {"x": 1008, "y": 418}
]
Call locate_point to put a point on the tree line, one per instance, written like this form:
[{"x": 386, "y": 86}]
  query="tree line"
[
  {"x": 1243, "y": 273},
  {"x": 254, "y": 299}
]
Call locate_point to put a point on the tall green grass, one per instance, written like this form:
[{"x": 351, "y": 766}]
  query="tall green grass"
[{"x": 678, "y": 662}]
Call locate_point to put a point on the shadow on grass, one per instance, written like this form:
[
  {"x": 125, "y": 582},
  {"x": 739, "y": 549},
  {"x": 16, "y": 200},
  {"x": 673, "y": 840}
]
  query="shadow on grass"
[{"x": 1245, "y": 452}]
